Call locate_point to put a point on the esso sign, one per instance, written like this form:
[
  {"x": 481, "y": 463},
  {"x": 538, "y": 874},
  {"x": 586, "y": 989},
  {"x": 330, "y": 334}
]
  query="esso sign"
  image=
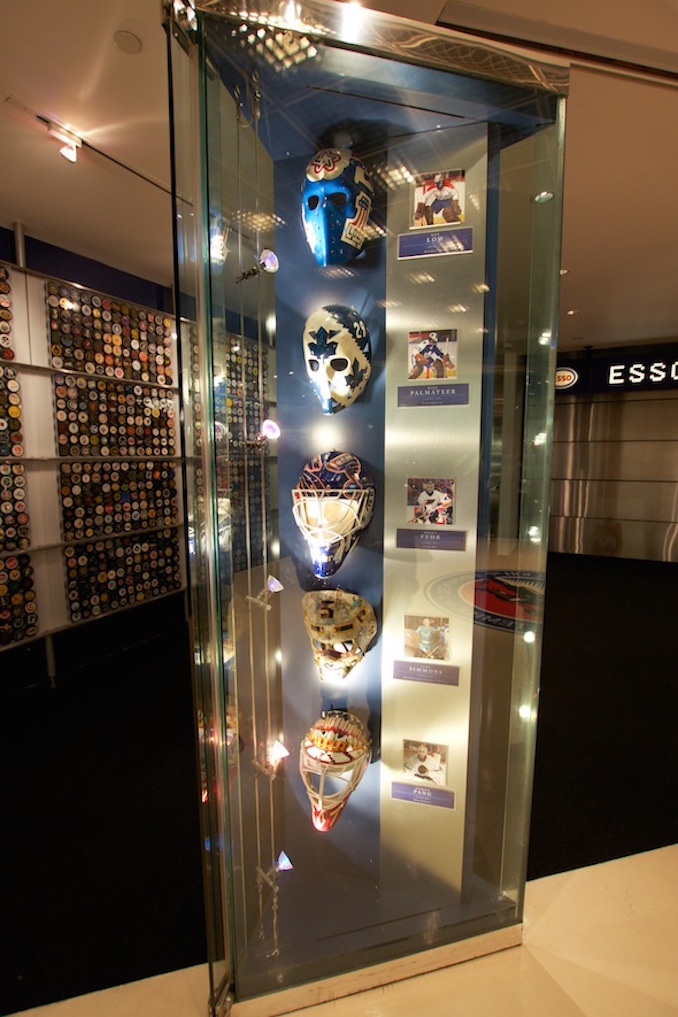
[
  {"x": 655, "y": 372},
  {"x": 566, "y": 377},
  {"x": 621, "y": 370}
]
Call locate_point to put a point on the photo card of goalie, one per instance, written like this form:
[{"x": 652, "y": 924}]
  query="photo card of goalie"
[
  {"x": 439, "y": 198},
  {"x": 431, "y": 501},
  {"x": 425, "y": 762},
  {"x": 432, "y": 354}
]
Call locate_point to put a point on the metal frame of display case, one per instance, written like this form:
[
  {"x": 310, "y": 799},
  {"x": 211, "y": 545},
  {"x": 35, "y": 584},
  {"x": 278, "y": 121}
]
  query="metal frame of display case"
[{"x": 413, "y": 875}]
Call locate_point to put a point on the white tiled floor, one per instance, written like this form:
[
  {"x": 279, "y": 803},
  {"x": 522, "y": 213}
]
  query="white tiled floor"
[{"x": 598, "y": 942}]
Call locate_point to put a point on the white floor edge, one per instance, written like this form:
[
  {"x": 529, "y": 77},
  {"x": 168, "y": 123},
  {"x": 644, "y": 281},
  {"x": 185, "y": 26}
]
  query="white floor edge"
[{"x": 597, "y": 942}]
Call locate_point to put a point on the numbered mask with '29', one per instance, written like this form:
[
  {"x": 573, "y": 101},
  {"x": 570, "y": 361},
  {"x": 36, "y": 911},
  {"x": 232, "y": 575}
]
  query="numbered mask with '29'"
[{"x": 337, "y": 355}]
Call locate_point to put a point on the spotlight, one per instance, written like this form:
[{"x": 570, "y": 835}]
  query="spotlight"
[
  {"x": 70, "y": 141},
  {"x": 277, "y": 752},
  {"x": 69, "y": 152},
  {"x": 283, "y": 864},
  {"x": 273, "y": 585},
  {"x": 268, "y": 262},
  {"x": 270, "y": 429}
]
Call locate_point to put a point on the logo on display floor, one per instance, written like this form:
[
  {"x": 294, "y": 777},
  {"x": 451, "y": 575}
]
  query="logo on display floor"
[{"x": 507, "y": 599}]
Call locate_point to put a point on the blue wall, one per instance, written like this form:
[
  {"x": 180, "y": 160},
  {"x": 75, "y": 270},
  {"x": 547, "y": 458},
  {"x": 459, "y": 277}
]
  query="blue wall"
[{"x": 53, "y": 261}]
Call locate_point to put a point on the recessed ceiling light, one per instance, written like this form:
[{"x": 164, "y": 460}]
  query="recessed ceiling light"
[
  {"x": 572, "y": 311},
  {"x": 128, "y": 42},
  {"x": 543, "y": 197}
]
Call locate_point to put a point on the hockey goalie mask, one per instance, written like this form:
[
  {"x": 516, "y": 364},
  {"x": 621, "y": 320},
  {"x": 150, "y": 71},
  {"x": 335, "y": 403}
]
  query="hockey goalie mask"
[
  {"x": 333, "y": 758},
  {"x": 340, "y": 626},
  {"x": 336, "y": 203},
  {"x": 337, "y": 355},
  {"x": 333, "y": 504}
]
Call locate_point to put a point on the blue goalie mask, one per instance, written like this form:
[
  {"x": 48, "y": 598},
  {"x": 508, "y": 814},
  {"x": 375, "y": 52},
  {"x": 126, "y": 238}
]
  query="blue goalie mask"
[
  {"x": 333, "y": 504},
  {"x": 337, "y": 355},
  {"x": 336, "y": 204}
]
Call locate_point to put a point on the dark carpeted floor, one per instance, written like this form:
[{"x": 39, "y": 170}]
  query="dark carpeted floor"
[
  {"x": 606, "y": 775},
  {"x": 102, "y": 873},
  {"x": 101, "y": 882}
]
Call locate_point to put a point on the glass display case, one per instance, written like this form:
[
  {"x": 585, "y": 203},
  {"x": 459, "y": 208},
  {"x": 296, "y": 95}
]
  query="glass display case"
[{"x": 367, "y": 237}]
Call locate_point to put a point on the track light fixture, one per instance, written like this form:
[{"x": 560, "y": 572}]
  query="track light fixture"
[{"x": 71, "y": 142}]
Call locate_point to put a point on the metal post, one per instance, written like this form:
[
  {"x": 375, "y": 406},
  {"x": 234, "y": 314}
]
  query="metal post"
[{"x": 19, "y": 245}]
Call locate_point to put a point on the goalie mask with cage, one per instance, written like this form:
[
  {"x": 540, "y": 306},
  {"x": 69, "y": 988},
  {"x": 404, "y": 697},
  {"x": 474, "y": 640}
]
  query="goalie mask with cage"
[
  {"x": 337, "y": 355},
  {"x": 336, "y": 203},
  {"x": 340, "y": 626},
  {"x": 333, "y": 504},
  {"x": 333, "y": 758}
]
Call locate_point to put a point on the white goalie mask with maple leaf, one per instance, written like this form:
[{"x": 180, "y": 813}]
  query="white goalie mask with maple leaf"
[{"x": 337, "y": 355}]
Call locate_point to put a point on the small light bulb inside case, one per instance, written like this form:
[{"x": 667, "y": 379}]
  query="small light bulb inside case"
[{"x": 270, "y": 429}]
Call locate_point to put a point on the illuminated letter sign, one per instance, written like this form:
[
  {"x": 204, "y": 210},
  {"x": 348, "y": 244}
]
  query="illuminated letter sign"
[
  {"x": 644, "y": 372},
  {"x": 632, "y": 370}
]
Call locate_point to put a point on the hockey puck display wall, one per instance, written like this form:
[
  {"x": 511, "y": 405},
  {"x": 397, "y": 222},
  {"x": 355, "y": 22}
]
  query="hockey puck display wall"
[
  {"x": 105, "y": 575},
  {"x": 102, "y": 336},
  {"x": 11, "y": 436},
  {"x": 103, "y": 498},
  {"x": 14, "y": 520},
  {"x": 102, "y": 418},
  {"x": 18, "y": 607},
  {"x": 101, "y": 469},
  {"x": 110, "y": 417},
  {"x": 6, "y": 316}
]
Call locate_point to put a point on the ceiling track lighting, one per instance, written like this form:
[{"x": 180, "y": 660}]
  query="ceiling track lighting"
[{"x": 70, "y": 141}]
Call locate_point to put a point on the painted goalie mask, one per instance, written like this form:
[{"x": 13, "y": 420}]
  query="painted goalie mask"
[
  {"x": 333, "y": 758},
  {"x": 333, "y": 504},
  {"x": 337, "y": 354},
  {"x": 336, "y": 204},
  {"x": 340, "y": 626}
]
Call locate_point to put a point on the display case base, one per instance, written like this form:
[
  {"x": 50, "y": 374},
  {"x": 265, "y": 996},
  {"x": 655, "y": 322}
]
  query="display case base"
[{"x": 289, "y": 1000}]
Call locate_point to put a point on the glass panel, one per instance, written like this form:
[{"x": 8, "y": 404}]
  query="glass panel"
[
  {"x": 186, "y": 80},
  {"x": 382, "y": 241}
]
